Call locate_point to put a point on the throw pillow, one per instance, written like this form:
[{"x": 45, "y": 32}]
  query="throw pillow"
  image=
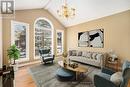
[
  {"x": 99, "y": 56},
  {"x": 116, "y": 78},
  {"x": 79, "y": 53},
  {"x": 94, "y": 55},
  {"x": 74, "y": 53},
  {"x": 88, "y": 55},
  {"x": 70, "y": 52},
  {"x": 84, "y": 54}
]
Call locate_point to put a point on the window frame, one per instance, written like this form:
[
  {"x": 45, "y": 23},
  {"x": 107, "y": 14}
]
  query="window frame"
[
  {"x": 62, "y": 31},
  {"x": 27, "y": 38},
  {"x": 52, "y": 36}
]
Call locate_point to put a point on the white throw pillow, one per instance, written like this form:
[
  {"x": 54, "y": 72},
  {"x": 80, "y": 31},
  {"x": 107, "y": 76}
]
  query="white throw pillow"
[
  {"x": 88, "y": 55},
  {"x": 116, "y": 78},
  {"x": 99, "y": 56},
  {"x": 94, "y": 55},
  {"x": 84, "y": 54}
]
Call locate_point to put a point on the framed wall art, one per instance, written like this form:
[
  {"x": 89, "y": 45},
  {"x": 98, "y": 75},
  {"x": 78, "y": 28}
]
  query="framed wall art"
[{"x": 93, "y": 38}]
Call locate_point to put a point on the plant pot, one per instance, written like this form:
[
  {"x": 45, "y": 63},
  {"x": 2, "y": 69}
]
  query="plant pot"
[{"x": 15, "y": 67}]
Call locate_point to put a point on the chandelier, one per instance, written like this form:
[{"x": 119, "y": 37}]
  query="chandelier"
[{"x": 65, "y": 11}]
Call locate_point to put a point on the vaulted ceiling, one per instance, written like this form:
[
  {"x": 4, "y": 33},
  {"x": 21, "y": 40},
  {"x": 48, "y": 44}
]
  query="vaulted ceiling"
[{"x": 86, "y": 10}]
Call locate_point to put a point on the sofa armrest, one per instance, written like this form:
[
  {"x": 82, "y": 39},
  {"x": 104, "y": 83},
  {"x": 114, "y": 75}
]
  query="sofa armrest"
[
  {"x": 107, "y": 71},
  {"x": 102, "y": 82}
]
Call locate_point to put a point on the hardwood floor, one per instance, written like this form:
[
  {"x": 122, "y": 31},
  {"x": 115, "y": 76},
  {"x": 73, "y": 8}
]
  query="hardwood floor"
[
  {"x": 128, "y": 84},
  {"x": 23, "y": 78}
]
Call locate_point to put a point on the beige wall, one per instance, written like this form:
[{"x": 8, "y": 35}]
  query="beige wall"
[
  {"x": 27, "y": 16},
  {"x": 1, "y": 60},
  {"x": 116, "y": 34}
]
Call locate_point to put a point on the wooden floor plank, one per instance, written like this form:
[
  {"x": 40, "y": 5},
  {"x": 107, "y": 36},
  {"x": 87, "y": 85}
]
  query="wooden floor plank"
[{"x": 23, "y": 78}]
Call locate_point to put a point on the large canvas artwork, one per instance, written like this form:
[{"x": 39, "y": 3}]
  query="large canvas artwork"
[{"x": 94, "y": 38}]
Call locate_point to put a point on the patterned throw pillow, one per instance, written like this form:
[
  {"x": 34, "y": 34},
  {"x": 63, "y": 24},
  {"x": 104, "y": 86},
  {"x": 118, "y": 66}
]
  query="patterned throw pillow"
[
  {"x": 116, "y": 78},
  {"x": 70, "y": 52},
  {"x": 74, "y": 53},
  {"x": 94, "y": 55},
  {"x": 99, "y": 56},
  {"x": 84, "y": 54},
  {"x": 88, "y": 55},
  {"x": 79, "y": 53}
]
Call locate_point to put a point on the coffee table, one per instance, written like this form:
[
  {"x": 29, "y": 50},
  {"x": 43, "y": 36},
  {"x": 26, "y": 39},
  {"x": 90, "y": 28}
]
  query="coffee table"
[{"x": 79, "y": 70}]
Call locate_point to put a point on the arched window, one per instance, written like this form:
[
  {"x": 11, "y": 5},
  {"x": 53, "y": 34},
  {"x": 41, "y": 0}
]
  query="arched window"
[{"x": 43, "y": 35}]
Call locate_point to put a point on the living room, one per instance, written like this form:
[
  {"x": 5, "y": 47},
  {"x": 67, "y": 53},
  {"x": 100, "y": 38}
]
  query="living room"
[{"x": 86, "y": 45}]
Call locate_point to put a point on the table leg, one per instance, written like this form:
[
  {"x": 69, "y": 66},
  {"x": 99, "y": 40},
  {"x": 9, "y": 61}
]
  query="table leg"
[{"x": 76, "y": 75}]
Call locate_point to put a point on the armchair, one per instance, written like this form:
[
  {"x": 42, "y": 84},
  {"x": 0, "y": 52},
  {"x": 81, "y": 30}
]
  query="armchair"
[
  {"x": 103, "y": 79},
  {"x": 46, "y": 56}
]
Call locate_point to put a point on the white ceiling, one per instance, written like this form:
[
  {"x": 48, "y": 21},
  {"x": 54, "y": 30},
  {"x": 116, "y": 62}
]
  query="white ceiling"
[{"x": 86, "y": 10}]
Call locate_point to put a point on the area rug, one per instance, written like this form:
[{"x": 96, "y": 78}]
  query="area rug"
[{"x": 45, "y": 76}]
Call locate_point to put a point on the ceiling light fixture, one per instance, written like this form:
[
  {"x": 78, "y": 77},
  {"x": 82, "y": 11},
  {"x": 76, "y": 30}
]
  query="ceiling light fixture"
[{"x": 66, "y": 11}]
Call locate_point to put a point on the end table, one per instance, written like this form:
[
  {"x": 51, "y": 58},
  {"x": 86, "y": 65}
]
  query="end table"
[{"x": 113, "y": 64}]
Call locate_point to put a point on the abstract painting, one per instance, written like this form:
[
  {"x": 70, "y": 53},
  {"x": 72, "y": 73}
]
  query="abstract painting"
[{"x": 93, "y": 38}]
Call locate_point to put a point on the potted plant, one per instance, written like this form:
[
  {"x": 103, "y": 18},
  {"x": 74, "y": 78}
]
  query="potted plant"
[{"x": 14, "y": 54}]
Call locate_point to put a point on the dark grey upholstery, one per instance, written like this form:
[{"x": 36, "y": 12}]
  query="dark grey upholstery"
[
  {"x": 100, "y": 80},
  {"x": 46, "y": 56},
  {"x": 126, "y": 74},
  {"x": 65, "y": 75}
]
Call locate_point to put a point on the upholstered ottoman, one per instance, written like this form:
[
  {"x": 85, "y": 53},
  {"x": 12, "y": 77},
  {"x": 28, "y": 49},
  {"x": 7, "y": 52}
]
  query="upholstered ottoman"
[{"x": 64, "y": 74}]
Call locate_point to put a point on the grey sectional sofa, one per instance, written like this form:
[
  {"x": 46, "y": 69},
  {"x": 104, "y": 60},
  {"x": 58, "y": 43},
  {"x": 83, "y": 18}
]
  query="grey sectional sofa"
[{"x": 92, "y": 58}]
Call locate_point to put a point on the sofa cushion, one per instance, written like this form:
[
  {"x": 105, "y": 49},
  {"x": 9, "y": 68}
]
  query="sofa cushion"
[{"x": 116, "y": 78}]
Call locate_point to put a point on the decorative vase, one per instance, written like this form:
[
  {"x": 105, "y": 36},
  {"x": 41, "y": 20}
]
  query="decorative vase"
[
  {"x": 15, "y": 66},
  {"x": 65, "y": 62}
]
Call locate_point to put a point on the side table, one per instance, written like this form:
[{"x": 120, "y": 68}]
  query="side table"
[{"x": 114, "y": 65}]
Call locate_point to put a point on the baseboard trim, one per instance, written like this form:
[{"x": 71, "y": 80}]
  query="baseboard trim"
[{"x": 29, "y": 63}]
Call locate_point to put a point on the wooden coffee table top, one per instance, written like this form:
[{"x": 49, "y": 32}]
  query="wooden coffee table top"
[{"x": 80, "y": 68}]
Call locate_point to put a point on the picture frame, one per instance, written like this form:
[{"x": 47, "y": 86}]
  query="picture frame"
[
  {"x": 20, "y": 37},
  {"x": 93, "y": 38}
]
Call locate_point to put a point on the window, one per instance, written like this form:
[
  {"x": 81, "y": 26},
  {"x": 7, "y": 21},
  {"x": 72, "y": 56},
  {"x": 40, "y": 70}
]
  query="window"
[
  {"x": 20, "y": 37},
  {"x": 59, "y": 42},
  {"x": 43, "y": 35}
]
